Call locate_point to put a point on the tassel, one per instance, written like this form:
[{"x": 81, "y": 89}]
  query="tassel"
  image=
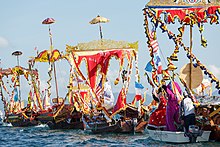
[
  {"x": 166, "y": 75},
  {"x": 171, "y": 66},
  {"x": 116, "y": 81},
  {"x": 173, "y": 57},
  {"x": 203, "y": 41}
]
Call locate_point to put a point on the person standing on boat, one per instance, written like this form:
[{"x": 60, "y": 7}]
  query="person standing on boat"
[
  {"x": 187, "y": 110},
  {"x": 157, "y": 118},
  {"x": 172, "y": 111}
]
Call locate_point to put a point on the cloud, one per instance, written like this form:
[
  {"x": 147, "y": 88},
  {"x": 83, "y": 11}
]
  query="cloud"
[
  {"x": 3, "y": 42},
  {"x": 215, "y": 70}
]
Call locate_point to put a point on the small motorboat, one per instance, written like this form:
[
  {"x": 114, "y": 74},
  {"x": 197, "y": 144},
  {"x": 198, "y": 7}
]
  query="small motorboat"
[{"x": 194, "y": 135}]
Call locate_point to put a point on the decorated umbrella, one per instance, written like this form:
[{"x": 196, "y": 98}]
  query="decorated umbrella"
[
  {"x": 189, "y": 13},
  {"x": 49, "y": 21},
  {"x": 98, "y": 20},
  {"x": 52, "y": 55},
  {"x": 17, "y": 54}
]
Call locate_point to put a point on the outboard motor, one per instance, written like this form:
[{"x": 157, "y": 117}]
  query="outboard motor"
[{"x": 193, "y": 133}]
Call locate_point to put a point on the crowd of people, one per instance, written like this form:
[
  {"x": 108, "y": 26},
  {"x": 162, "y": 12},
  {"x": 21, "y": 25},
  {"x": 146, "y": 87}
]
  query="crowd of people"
[{"x": 171, "y": 113}]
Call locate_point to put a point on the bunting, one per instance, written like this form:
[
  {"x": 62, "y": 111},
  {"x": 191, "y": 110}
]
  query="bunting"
[
  {"x": 178, "y": 41},
  {"x": 155, "y": 51}
]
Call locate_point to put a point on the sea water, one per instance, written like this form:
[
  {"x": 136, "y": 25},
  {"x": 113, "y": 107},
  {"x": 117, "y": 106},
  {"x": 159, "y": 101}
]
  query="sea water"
[{"x": 43, "y": 136}]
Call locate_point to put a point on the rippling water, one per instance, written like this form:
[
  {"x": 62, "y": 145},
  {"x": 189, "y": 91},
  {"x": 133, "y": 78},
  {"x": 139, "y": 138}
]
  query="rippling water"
[{"x": 43, "y": 136}]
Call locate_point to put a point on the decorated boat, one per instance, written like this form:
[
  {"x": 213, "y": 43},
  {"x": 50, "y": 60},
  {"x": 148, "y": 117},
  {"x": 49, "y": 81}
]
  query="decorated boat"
[
  {"x": 15, "y": 110},
  {"x": 190, "y": 77},
  {"x": 100, "y": 115},
  {"x": 56, "y": 112}
]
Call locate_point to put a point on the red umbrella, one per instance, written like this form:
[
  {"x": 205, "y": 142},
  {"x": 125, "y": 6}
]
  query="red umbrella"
[{"x": 48, "y": 21}]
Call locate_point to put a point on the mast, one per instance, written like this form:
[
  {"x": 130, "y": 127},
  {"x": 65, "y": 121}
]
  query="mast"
[
  {"x": 53, "y": 64},
  {"x": 190, "y": 50}
]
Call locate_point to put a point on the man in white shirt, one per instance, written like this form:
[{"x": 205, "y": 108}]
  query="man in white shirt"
[{"x": 188, "y": 111}]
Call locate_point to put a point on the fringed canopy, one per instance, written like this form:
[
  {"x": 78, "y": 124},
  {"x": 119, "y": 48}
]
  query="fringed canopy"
[
  {"x": 185, "y": 11},
  {"x": 97, "y": 55}
]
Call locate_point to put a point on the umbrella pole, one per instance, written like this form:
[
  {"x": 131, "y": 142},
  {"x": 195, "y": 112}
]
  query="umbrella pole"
[
  {"x": 51, "y": 40},
  {"x": 19, "y": 88},
  {"x": 53, "y": 64},
  {"x": 55, "y": 77},
  {"x": 190, "y": 50},
  {"x": 100, "y": 30}
]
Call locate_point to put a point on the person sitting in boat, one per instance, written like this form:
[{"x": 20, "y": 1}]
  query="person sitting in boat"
[
  {"x": 187, "y": 110},
  {"x": 172, "y": 111},
  {"x": 157, "y": 119}
]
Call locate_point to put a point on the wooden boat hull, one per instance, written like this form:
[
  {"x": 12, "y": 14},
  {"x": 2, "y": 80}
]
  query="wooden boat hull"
[
  {"x": 44, "y": 118},
  {"x": 215, "y": 132},
  {"x": 140, "y": 128},
  {"x": 18, "y": 121},
  {"x": 70, "y": 121},
  {"x": 105, "y": 127},
  {"x": 65, "y": 125},
  {"x": 176, "y": 137}
]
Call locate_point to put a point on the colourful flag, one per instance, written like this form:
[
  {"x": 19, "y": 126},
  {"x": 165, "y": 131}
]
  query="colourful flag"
[
  {"x": 153, "y": 42},
  {"x": 121, "y": 102},
  {"x": 155, "y": 46},
  {"x": 16, "y": 94},
  {"x": 99, "y": 89},
  {"x": 158, "y": 63},
  {"x": 138, "y": 89},
  {"x": 148, "y": 67},
  {"x": 108, "y": 95}
]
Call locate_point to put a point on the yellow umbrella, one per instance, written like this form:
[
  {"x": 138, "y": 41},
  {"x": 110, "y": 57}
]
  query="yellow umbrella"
[{"x": 98, "y": 20}]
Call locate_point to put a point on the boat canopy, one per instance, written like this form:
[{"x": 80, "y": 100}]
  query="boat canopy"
[
  {"x": 185, "y": 11},
  {"x": 97, "y": 55}
]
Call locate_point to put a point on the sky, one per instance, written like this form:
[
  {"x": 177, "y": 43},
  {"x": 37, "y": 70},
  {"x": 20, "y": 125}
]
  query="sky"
[{"x": 21, "y": 29}]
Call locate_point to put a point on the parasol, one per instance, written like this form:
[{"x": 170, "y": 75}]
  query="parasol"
[
  {"x": 17, "y": 54},
  {"x": 50, "y": 55},
  {"x": 49, "y": 21},
  {"x": 98, "y": 20}
]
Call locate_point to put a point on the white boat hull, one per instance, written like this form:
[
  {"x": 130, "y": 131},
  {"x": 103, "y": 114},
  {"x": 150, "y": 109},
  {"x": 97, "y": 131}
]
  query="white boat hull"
[{"x": 176, "y": 137}]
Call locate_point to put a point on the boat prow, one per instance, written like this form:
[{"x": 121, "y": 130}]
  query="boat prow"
[{"x": 176, "y": 137}]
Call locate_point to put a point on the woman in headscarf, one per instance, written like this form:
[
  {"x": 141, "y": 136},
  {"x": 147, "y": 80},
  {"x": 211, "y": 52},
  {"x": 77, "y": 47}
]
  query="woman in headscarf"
[
  {"x": 157, "y": 118},
  {"x": 172, "y": 111}
]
